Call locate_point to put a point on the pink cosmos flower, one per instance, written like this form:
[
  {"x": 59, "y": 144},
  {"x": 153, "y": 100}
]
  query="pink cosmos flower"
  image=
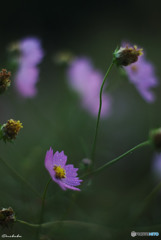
[
  {"x": 142, "y": 75},
  {"x": 26, "y": 78},
  {"x": 64, "y": 175},
  {"x": 87, "y": 81}
]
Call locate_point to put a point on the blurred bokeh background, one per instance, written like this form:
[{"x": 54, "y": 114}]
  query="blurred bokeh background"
[{"x": 54, "y": 118}]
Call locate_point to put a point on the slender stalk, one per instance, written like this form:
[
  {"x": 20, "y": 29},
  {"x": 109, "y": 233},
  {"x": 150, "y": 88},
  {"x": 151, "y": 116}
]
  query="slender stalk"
[
  {"x": 153, "y": 193},
  {"x": 99, "y": 114},
  {"x": 145, "y": 203},
  {"x": 65, "y": 222},
  {"x": 42, "y": 207},
  {"x": 19, "y": 177},
  {"x": 28, "y": 224},
  {"x": 108, "y": 164},
  {"x": 87, "y": 224}
]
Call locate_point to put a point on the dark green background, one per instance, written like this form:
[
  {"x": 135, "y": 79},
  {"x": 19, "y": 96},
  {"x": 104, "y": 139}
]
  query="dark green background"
[{"x": 54, "y": 118}]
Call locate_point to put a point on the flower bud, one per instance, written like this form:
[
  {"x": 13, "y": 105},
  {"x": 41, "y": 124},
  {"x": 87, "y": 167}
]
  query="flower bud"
[
  {"x": 4, "y": 80},
  {"x": 155, "y": 137},
  {"x": 63, "y": 57},
  {"x": 86, "y": 161},
  {"x": 7, "y": 217},
  {"x": 10, "y": 129},
  {"x": 127, "y": 55}
]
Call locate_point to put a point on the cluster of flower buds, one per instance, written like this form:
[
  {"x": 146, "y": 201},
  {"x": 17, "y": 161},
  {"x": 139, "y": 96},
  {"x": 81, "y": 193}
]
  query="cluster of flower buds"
[
  {"x": 4, "y": 80},
  {"x": 9, "y": 130},
  {"x": 125, "y": 56},
  {"x": 7, "y": 217}
]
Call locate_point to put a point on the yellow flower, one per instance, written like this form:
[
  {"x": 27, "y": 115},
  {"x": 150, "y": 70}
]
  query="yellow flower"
[{"x": 11, "y": 129}]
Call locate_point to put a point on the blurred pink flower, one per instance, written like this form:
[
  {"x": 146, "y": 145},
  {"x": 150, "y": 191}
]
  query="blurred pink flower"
[
  {"x": 86, "y": 81},
  {"x": 31, "y": 51},
  {"x": 26, "y": 78},
  {"x": 142, "y": 75}
]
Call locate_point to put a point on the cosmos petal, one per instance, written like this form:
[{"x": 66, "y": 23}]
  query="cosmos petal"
[{"x": 66, "y": 181}]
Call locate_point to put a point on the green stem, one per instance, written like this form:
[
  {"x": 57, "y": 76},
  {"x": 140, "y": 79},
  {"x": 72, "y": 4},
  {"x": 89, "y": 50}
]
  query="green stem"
[
  {"x": 143, "y": 206},
  {"x": 19, "y": 177},
  {"x": 28, "y": 224},
  {"x": 147, "y": 201},
  {"x": 108, "y": 164},
  {"x": 99, "y": 113},
  {"x": 42, "y": 207},
  {"x": 153, "y": 193},
  {"x": 65, "y": 222},
  {"x": 87, "y": 224}
]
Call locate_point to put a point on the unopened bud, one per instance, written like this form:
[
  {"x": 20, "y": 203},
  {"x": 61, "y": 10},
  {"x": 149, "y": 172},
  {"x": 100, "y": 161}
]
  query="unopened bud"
[
  {"x": 155, "y": 137},
  {"x": 86, "y": 161},
  {"x": 63, "y": 57},
  {"x": 4, "y": 80},
  {"x": 10, "y": 129},
  {"x": 7, "y": 217},
  {"x": 127, "y": 55}
]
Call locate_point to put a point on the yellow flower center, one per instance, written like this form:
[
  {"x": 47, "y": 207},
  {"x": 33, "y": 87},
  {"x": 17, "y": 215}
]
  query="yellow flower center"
[{"x": 59, "y": 172}]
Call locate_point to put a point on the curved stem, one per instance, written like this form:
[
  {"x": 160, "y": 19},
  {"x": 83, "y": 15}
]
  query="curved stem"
[
  {"x": 42, "y": 207},
  {"x": 86, "y": 224},
  {"x": 99, "y": 113},
  {"x": 19, "y": 177},
  {"x": 65, "y": 222},
  {"x": 108, "y": 164},
  {"x": 28, "y": 224}
]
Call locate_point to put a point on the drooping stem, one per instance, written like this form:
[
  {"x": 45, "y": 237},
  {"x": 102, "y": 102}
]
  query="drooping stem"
[
  {"x": 19, "y": 177},
  {"x": 113, "y": 161},
  {"x": 42, "y": 207},
  {"x": 66, "y": 223},
  {"x": 35, "y": 225},
  {"x": 99, "y": 114},
  {"x": 86, "y": 224}
]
